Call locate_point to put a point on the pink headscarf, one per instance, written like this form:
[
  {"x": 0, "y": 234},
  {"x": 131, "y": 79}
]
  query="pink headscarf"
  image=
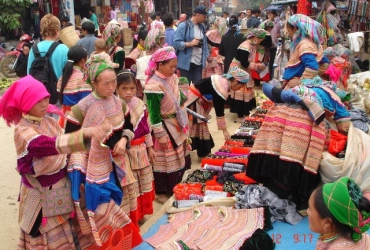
[
  {"x": 21, "y": 97},
  {"x": 334, "y": 73},
  {"x": 160, "y": 55}
]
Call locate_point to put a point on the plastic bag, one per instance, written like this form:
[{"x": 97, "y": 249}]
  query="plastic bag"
[{"x": 337, "y": 143}]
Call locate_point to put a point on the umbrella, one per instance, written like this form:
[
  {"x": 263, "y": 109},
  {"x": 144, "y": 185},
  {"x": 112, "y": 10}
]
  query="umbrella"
[{"x": 273, "y": 7}]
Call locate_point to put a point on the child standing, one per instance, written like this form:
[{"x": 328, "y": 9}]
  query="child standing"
[
  {"x": 169, "y": 120},
  {"x": 100, "y": 171},
  {"x": 101, "y": 53},
  {"x": 141, "y": 153},
  {"x": 41, "y": 161},
  {"x": 169, "y": 33},
  {"x": 72, "y": 86}
]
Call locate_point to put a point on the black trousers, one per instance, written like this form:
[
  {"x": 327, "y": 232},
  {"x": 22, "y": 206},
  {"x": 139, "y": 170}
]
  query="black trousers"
[{"x": 271, "y": 63}]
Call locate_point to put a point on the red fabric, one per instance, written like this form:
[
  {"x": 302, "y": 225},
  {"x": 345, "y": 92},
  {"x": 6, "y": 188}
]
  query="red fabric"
[
  {"x": 20, "y": 98},
  {"x": 134, "y": 216},
  {"x": 145, "y": 204},
  {"x": 62, "y": 119},
  {"x": 302, "y": 7},
  {"x": 182, "y": 191},
  {"x": 338, "y": 142},
  {"x": 255, "y": 74},
  {"x": 242, "y": 177}
]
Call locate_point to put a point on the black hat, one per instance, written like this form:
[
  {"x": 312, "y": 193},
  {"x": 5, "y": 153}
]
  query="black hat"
[{"x": 200, "y": 10}]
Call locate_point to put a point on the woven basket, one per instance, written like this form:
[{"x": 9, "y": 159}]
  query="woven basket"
[
  {"x": 127, "y": 37},
  {"x": 69, "y": 36}
]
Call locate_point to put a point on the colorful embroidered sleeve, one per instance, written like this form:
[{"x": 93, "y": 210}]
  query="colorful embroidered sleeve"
[
  {"x": 221, "y": 123},
  {"x": 311, "y": 66},
  {"x": 154, "y": 108},
  {"x": 69, "y": 143}
]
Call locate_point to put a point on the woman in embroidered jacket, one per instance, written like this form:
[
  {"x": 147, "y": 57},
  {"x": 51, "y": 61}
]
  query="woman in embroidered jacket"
[
  {"x": 214, "y": 61},
  {"x": 112, "y": 34},
  {"x": 41, "y": 162},
  {"x": 141, "y": 153},
  {"x": 307, "y": 58},
  {"x": 340, "y": 213},
  {"x": 243, "y": 100},
  {"x": 101, "y": 169},
  {"x": 168, "y": 119},
  {"x": 205, "y": 94},
  {"x": 72, "y": 86}
]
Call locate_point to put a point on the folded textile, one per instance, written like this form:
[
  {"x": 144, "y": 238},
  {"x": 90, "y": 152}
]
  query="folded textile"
[
  {"x": 211, "y": 228},
  {"x": 252, "y": 196},
  {"x": 359, "y": 119}
]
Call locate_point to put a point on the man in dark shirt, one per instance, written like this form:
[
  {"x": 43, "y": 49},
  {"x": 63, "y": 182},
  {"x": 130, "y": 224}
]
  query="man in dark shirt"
[
  {"x": 254, "y": 21},
  {"x": 21, "y": 65}
]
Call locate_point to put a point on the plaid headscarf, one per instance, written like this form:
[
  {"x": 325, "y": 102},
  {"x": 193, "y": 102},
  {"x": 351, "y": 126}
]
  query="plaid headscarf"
[
  {"x": 160, "y": 55},
  {"x": 240, "y": 75},
  {"x": 153, "y": 39},
  {"x": 259, "y": 33},
  {"x": 221, "y": 25},
  {"x": 267, "y": 23},
  {"x": 110, "y": 33},
  {"x": 342, "y": 199},
  {"x": 307, "y": 27},
  {"x": 95, "y": 67}
]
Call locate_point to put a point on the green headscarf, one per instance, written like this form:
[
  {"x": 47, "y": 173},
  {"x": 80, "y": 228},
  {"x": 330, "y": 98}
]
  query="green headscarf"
[
  {"x": 95, "y": 67},
  {"x": 342, "y": 198},
  {"x": 266, "y": 24},
  {"x": 259, "y": 33}
]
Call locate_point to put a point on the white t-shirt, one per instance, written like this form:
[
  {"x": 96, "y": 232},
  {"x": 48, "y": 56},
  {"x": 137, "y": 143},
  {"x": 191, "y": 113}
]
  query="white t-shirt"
[{"x": 196, "y": 57}]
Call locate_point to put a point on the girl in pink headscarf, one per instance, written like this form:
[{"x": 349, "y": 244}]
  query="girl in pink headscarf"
[
  {"x": 168, "y": 118},
  {"x": 41, "y": 161}
]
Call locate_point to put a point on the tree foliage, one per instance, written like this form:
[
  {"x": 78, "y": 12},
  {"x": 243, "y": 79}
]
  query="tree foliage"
[{"x": 10, "y": 13}]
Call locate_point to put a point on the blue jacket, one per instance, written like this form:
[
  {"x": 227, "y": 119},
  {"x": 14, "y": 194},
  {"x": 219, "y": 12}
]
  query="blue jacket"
[{"x": 184, "y": 54}]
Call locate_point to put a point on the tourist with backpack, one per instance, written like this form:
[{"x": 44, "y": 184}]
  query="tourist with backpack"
[
  {"x": 190, "y": 42},
  {"x": 47, "y": 59}
]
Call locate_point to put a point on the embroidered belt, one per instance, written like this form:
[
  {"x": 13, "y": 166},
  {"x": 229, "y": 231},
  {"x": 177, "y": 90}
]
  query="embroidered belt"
[{"x": 138, "y": 141}]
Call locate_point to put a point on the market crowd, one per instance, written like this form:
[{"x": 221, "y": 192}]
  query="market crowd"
[{"x": 106, "y": 132}]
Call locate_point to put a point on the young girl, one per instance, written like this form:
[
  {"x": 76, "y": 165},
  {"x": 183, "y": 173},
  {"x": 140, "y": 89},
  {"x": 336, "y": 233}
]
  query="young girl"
[
  {"x": 168, "y": 119},
  {"x": 141, "y": 153},
  {"x": 41, "y": 161},
  {"x": 71, "y": 86},
  {"x": 100, "y": 53},
  {"x": 100, "y": 170},
  {"x": 138, "y": 49}
]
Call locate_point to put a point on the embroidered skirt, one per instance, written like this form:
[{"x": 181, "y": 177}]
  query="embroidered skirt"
[{"x": 288, "y": 149}]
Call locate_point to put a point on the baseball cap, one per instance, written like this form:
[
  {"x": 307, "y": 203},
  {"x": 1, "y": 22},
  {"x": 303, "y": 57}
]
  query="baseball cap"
[{"x": 200, "y": 10}]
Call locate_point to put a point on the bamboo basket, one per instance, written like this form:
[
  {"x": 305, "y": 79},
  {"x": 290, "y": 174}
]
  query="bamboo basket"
[
  {"x": 127, "y": 37},
  {"x": 69, "y": 36}
]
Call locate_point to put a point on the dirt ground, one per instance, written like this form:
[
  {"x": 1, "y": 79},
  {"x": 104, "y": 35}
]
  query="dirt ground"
[{"x": 10, "y": 182}]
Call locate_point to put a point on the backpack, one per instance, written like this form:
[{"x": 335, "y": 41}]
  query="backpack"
[{"x": 42, "y": 70}]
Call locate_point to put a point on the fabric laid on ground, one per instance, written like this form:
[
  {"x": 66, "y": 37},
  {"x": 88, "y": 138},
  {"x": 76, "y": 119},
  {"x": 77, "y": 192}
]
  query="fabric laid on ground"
[
  {"x": 355, "y": 165},
  {"x": 252, "y": 196},
  {"x": 205, "y": 227},
  {"x": 359, "y": 119}
]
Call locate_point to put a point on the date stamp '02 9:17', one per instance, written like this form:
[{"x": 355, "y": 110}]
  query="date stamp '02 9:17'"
[{"x": 297, "y": 238}]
